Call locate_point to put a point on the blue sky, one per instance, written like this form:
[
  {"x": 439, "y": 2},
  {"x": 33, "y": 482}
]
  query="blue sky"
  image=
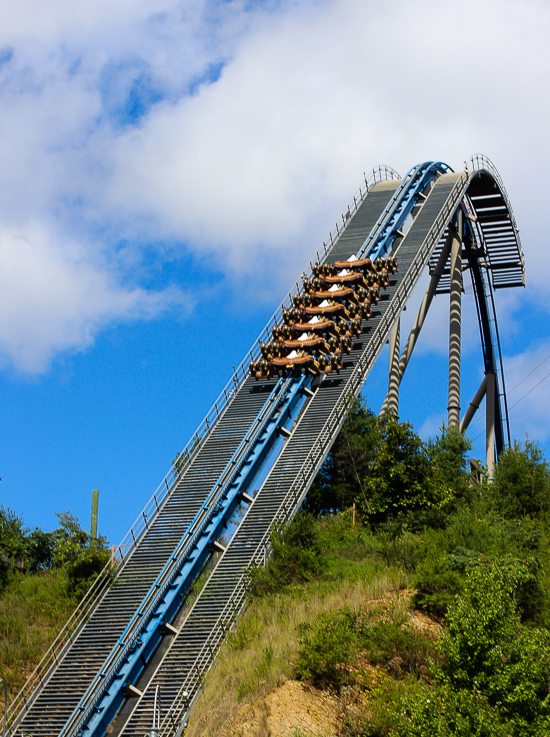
[{"x": 167, "y": 169}]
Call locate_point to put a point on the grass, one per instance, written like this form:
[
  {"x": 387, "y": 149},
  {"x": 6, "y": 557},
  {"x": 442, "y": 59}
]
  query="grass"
[
  {"x": 32, "y": 611},
  {"x": 261, "y": 653}
]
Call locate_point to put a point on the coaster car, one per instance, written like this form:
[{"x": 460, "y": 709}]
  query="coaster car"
[
  {"x": 299, "y": 361},
  {"x": 359, "y": 264},
  {"x": 350, "y": 277},
  {"x": 341, "y": 293},
  {"x": 329, "y": 309},
  {"x": 322, "y": 326},
  {"x": 317, "y": 343}
]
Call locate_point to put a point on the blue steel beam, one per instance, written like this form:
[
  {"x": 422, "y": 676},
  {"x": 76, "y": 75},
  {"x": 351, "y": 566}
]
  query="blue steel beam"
[
  {"x": 490, "y": 342},
  {"x": 381, "y": 238},
  {"x": 144, "y": 632}
]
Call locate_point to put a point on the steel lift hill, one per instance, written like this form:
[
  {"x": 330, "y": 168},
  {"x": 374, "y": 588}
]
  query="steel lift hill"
[{"x": 136, "y": 651}]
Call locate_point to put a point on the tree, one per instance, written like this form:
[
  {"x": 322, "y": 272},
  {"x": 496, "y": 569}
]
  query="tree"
[
  {"x": 84, "y": 567},
  {"x": 522, "y": 481},
  {"x": 379, "y": 464},
  {"x": 448, "y": 455},
  {"x": 12, "y": 541},
  {"x": 339, "y": 483},
  {"x": 400, "y": 478}
]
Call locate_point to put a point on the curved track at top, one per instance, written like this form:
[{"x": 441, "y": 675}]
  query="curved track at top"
[{"x": 128, "y": 641}]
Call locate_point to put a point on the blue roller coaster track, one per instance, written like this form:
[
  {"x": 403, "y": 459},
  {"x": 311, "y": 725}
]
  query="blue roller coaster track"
[{"x": 251, "y": 462}]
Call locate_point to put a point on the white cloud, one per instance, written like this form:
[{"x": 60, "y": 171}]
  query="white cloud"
[
  {"x": 52, "y": 299},
  {"x": 309, "y": 101},
  {"x": 107, "y": 128}
]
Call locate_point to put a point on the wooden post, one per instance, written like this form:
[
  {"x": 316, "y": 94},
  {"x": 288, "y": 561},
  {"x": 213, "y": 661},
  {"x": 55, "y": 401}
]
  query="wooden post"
[{"x": 95, "y": 506}]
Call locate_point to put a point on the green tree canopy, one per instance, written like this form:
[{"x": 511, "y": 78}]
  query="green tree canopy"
[
  {"x": 383, "y": 467},
  {"x": 522, "y": 481}
]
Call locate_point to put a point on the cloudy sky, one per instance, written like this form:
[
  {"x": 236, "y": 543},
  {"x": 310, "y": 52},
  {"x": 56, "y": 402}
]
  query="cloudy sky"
[{"x": 167, "y": 169}]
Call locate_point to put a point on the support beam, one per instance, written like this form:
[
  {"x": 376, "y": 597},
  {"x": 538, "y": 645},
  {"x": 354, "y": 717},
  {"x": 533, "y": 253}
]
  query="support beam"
[
  {"x": 391, "y": 402},
  {"x": 455, "y": 315},
  {"x": 474, "y": 406},
  {"x": 423, "y": 311},
  {"x": 490, "y": 424}
]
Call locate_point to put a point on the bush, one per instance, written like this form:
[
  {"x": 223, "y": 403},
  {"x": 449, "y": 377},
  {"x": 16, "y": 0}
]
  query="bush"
[
  {"x": 84, "y": 567},
  {"x": 327, "y": 647},
  {"x": 522, "y": 481},
  {"x": 445, "y": 712},
  {"x": 397, "y": 646},
  {"x": 488, "y": 650},
  {"x": 334, "y": 645},
  {"x": 296, "y": 557}
]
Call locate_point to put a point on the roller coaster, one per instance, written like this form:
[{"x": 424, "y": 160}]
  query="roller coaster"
[{"x": 132, "y": 658}]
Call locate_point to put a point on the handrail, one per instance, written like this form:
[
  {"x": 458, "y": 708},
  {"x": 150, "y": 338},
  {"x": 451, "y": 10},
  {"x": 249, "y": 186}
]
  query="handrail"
[{"x": 3, "y": 682}]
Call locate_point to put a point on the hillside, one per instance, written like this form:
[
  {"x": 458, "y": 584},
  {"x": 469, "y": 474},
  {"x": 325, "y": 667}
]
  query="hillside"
[
  {"x": 405, "y": 599},
  {"x": 43, "y": 575},
  {"x": 422, "y": 612},
  {"x": 377, "y": 629}
]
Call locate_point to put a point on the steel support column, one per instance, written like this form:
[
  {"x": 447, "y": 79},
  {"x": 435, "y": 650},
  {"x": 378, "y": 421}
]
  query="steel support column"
[
  {"x": 474, "y": 406},
  {"x": 455, "y": 325},
  {"x": 422, "y": 312},
  {"x": 490, "y": 399},
  {"x": 391, "y": 402}
]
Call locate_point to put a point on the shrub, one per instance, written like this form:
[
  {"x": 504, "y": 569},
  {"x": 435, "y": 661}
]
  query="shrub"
[
  {"x": 488, "y": 650},
  {"x": 84, "y": 567},
  {"x": 327, "y": 647},
  {"x": 296, "y": 557},
  {"x": 522, "y": 481}
]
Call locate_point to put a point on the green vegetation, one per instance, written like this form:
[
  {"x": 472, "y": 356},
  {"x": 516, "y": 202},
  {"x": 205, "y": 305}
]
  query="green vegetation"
[
  {"x": 43, "y": 575},
  {"x": 417, "y": 595}
]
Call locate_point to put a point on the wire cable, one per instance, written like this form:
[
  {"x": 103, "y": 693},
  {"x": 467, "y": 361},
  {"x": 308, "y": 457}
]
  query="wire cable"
[{"x": 529, "y": 374}]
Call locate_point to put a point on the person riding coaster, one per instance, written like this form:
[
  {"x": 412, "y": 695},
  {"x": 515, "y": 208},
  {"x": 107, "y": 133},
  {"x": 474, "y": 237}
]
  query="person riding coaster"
[
  {"x": 360, "y": 312},
  {"x": 382, "y": 270},
  {"x": 281, "y": 333},
  {"x": 320, "y": 270},
  {"x": 291, "y": 315},
  {"x": 391, "y": 264},
  {"x": 356, "y": 327},
  {"x": 261, "y": 369}
]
